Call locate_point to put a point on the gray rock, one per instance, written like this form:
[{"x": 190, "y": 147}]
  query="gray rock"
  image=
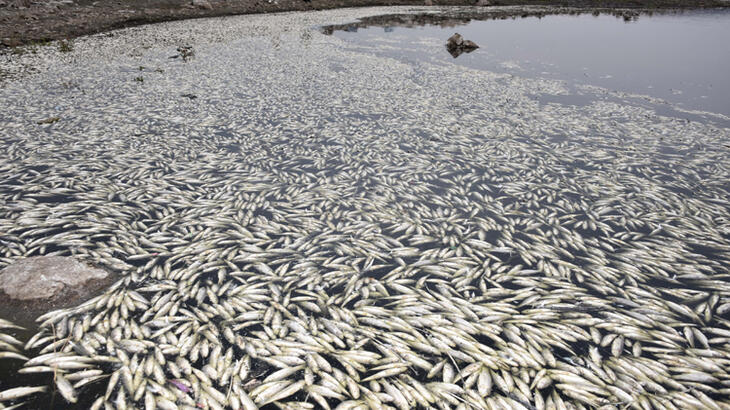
[
  {"x": 468, "y": 44},
  {"x": 456, "y": 45},
  {"x": 455, "y": 41},
  {"x": 203, "y": 4},
  {"x": 45, "y": 278}
]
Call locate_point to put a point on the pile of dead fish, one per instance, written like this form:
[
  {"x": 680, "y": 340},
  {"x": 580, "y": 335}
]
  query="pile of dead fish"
[
  {"x": 9, "y": 345},
  {"x": 352, "y": 256}
]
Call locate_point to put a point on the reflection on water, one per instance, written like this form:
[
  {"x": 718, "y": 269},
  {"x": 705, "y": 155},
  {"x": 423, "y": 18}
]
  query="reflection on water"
[{"x": 682, "y": 58}]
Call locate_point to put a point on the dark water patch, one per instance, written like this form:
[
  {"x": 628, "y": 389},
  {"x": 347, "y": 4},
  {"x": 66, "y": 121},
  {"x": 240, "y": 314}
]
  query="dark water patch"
[
  {"x": 39, "y": 168},
  {"x": 232, "y": 148},
  {"x": 52, "y": 198},
  {"x": 378, "y": 273}
]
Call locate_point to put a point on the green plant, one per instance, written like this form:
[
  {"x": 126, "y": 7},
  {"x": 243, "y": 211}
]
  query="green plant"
[{"x": 65, "y": 46}]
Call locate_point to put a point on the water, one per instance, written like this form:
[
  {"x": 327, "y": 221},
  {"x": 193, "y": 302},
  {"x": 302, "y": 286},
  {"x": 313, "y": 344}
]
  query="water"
[
  {"x": 364, "y": 202},
  {"x": 682, "y": 58}
]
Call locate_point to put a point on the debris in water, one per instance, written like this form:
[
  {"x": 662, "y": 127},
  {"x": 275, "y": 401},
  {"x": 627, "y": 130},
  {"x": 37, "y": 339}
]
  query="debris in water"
[
  {"x": 49, "y": 120},
  {"x": 181, "y": 386}
]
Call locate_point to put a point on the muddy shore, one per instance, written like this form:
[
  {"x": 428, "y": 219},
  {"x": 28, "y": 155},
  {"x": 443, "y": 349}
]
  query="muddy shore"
[{"x": 38, "y": 21}]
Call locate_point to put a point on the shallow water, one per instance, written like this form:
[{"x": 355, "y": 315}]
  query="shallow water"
[
  {"x": 320, "y": 200},
  {"x": 683, "y": 58}
]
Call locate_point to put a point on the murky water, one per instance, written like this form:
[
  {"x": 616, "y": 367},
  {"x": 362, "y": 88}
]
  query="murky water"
[
  {"x": 324, "y": 219},
  {"x": 683, "y": 58}
]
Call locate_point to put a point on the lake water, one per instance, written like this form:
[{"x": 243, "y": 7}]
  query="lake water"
[
  {"x": 379, "y": 226},
  {"x": 682, "y": 58}
]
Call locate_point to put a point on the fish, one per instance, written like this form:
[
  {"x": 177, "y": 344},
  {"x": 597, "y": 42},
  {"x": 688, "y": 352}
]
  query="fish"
[
  {"x": 19, "y": 392},
  {"x": 465, "y": 247}
]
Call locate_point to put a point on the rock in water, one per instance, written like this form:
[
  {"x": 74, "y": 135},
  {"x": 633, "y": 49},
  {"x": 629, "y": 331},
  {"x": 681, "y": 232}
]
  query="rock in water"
[
  {"x": 457, "y": 45},
  {"x": 469, "y": 45},
  {"x": 46, "y": 278},
  {"x": 455, "y": 41}
]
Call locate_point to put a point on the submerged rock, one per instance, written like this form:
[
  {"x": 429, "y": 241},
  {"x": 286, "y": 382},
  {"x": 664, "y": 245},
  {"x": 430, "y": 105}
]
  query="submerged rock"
[{"x": 49, "y": 278}]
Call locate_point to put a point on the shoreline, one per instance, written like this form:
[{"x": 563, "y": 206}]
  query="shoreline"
[{"x": 24, "y": 22}]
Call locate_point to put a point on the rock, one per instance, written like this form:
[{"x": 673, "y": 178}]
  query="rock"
[
  {"x": 202, "y": 4},
  {"x": 455, "y": 41},
  {"x": 48, "y": 278},
  {"x": 468, "y": 44},
  {"x": 457, "y": 45}
]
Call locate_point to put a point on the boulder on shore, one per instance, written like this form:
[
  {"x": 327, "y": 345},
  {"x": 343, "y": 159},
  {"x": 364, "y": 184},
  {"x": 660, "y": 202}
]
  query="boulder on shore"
[{"x": 49, "y": 278}]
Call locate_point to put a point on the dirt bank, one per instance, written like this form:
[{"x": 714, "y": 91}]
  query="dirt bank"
[{"x": 31, "y": 21}]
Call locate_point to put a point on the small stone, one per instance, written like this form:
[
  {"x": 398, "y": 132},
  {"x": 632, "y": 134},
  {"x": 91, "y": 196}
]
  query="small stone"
[
  {"x": 44, "y": 278},
  {"x": 202, "y": 4}
]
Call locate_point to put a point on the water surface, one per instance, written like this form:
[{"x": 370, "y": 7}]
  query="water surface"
[
  {"x": 321, "y": 197},
  {"x": 682, "y": 58}
]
